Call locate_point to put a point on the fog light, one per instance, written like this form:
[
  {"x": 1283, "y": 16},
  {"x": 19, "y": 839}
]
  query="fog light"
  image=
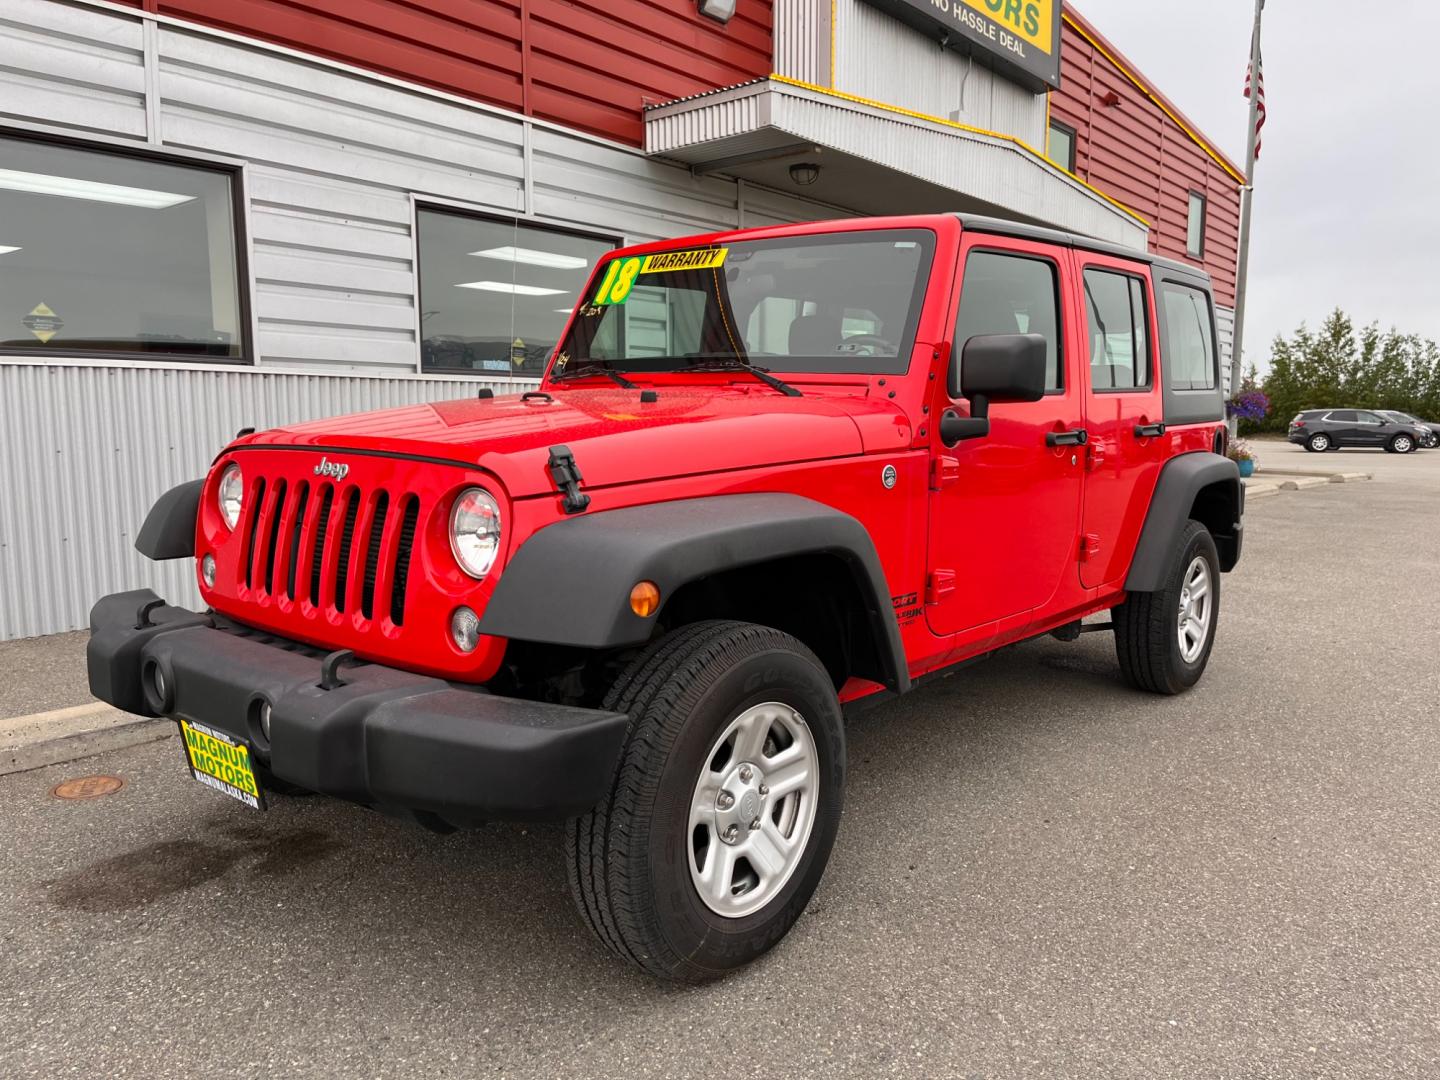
[
  {"x": 645, "y": 599},
  {"x": 158, "y": 682},
  {"x": 465, "y": 629},
  {"x": 207, "y": 571},
  {"x": 265, "y": 720}
]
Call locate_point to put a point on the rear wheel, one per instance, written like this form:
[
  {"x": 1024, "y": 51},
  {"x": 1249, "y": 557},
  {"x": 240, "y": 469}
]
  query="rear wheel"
[
  {"x": 1163, "y": 639},
  {"x": 1318, "y": 443},
  {"x": 724, "y": 807}
]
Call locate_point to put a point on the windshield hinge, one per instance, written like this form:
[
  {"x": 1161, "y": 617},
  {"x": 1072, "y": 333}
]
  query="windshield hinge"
[{"x": 566, "y": 475}]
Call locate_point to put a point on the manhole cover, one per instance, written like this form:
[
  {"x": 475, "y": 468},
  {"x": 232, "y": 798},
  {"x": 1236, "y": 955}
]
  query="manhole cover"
[{"x": 87, "y": 787}]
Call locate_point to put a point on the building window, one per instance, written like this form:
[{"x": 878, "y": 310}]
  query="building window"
[
  {"x": 495, "y": 295},
  {"x": 105, "y": 253},
  {"x": 1062, "y": 145},
  {"x": 1195, "y": 226},
  {"x": 1012, "y": 294},
  {"x": 1119, "y": 338},
  {"x": 1189, "y": 338}
]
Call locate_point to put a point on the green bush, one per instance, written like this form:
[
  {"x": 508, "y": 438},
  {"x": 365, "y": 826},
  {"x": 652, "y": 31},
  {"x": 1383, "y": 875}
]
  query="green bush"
[{"x": 1340, "y": 367}]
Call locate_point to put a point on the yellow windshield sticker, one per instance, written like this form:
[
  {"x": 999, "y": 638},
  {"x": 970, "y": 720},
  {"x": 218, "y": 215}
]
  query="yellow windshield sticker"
[
  {"x": 698, "y": 259},
  {"x": 620, "y": 275}
]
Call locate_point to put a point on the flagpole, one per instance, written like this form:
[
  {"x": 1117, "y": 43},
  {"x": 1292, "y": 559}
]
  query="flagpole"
[{"x": 1247, "y": 198}]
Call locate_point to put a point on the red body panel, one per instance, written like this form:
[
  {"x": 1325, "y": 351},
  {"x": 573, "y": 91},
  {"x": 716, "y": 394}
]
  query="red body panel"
[{"x": 985, "y": 543}]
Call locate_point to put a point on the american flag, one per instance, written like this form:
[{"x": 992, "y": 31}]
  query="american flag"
[{"x": 1255, "y": 74}]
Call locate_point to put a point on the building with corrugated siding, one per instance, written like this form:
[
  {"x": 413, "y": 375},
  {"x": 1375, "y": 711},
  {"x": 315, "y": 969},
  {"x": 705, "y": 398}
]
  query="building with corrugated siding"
[{"x": 218, "y": 214}]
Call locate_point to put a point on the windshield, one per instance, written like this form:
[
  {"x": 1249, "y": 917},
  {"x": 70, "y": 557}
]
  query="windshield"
[{"x": 835, "y": 302}]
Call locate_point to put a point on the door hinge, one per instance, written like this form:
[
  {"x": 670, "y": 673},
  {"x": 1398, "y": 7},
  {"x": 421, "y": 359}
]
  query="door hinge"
[
  {"x": 1089, "y": 546},
  {"x": 939, "y": 584},
  {"x": 944, "y": 470}
]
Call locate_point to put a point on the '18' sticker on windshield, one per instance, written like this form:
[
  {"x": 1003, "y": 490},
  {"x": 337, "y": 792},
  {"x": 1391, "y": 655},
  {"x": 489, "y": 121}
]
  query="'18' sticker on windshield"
[{"x": 621, "y": 274}]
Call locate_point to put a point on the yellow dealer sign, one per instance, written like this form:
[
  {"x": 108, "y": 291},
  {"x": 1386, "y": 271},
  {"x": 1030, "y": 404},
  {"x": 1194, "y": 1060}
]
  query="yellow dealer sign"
[
  {"x": 1032, "y": 20},
  {"x": 1022, "y": 37}
]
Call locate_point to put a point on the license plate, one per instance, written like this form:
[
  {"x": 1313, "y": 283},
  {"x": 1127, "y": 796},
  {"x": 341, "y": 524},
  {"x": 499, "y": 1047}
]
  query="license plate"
[{"x": 222, "y": 763}]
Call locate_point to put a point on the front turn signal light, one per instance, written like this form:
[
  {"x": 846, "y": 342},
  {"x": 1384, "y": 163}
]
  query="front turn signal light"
[{"x": 645, "y": 599}]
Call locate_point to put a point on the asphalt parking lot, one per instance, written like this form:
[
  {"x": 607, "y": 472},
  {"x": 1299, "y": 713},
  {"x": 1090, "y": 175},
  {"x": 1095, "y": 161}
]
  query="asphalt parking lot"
[{"x": 1040, "y": 873}]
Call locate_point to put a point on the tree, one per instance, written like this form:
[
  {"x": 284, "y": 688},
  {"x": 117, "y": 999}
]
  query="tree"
[{"x": 1338, "y": 366}]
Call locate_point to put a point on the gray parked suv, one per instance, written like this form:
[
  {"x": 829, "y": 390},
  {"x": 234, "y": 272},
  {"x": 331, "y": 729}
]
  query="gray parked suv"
[{"x": 1319, "y": 430}]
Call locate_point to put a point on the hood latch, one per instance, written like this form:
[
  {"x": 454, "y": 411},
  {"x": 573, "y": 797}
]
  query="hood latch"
[{"x": 566, "y": 475}]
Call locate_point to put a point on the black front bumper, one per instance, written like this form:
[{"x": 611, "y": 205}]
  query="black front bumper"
[{"x": 386, "y": 738}]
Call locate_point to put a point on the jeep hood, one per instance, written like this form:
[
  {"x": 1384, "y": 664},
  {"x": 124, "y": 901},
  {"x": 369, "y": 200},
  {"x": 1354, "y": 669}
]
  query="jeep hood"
[{"x": 616, "y": 438}]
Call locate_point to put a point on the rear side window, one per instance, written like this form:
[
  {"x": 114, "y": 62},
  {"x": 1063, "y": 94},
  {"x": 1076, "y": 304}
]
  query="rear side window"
[
  {"x": 1344, "y": 416},
  {"x": 1012, "y": 294},
  {"x": 1119, "y": 331},
  {"x": 1191, "y": 338}
]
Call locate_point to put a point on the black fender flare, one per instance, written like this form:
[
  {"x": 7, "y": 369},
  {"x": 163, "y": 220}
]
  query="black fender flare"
[
  {"x": 169, "y": 529},
  {"x": 1181, "y": 482},
  {"x": 570, "y": 582}
]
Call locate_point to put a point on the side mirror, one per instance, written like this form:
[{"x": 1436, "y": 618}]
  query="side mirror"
[{"x": 992, "y": 368}]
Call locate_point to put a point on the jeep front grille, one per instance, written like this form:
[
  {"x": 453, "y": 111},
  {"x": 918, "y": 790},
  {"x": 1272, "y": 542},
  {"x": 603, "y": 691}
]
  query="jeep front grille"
[{"x": 329, "y": 547}]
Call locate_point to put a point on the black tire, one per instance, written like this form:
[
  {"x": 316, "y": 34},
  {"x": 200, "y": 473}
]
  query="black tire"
[
  {"x": 1146, "y": 638},
  {"x": 628, "y": 859},
  {"x": 1401, "y": 444},
  {"x": 1319, "y": 443}
]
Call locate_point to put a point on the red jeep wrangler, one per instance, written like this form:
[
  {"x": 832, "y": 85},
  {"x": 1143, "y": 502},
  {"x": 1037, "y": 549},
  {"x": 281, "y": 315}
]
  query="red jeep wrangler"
[{"x": 770, "y": 476}]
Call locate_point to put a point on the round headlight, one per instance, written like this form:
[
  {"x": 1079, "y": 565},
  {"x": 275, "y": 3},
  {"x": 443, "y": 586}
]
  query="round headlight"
[
  {"x": 475, "y": 531},
  {"x": 230, "y": 494}
]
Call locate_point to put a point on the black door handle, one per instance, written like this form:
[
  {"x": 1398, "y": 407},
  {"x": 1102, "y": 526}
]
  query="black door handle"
[
  {"x": 1074, "y": 437},
  {"x": 1149, "y": 431}
]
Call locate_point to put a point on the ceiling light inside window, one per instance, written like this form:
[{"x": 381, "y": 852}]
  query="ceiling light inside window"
[
  {"x": 552, "y": 259},
  {"x": 508, "y": 287},
  {"x": 69, "y": 187},
  {"x": 5, "y": 249}
]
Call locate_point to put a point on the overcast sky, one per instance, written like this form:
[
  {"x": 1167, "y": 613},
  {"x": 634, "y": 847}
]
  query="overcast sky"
[{"x": 1347, "y": 203}]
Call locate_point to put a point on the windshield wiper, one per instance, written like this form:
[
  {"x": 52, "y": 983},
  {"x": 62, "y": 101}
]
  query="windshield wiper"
[
  {"x": 731, "y": 363},
  {"x": 594, "y": 368}
]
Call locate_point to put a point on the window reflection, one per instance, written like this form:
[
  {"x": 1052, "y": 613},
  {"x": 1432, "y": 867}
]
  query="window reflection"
[
  {"x": 105, "y": 252},
  {"x": 495, "y": 296}
]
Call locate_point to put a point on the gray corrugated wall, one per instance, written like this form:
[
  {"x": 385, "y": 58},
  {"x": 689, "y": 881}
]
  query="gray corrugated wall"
[
  {"x": 879, "y": 57},
  {"x": 85, "y": 449},
  {"x": 333, "y": 160}
]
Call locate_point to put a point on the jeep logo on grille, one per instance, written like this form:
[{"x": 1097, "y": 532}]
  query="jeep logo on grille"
[{"x": 337, "y": 469}]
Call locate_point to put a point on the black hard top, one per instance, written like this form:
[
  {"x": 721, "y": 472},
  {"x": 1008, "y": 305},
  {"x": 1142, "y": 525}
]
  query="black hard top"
[{"x": 1021, "y": 231}]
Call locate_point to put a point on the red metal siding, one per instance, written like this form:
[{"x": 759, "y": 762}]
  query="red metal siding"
[
  {"x": 1136, "y": 153},
  {"x": 570, "y": 63}
]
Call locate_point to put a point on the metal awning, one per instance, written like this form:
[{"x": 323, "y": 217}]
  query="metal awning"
[{"x": 878, "y": 159}]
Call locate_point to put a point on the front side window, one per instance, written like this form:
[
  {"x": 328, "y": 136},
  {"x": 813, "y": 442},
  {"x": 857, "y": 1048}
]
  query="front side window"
[
  {"x": 495, "y": 295},
  {"x": 833, "y": 302},
  {"x": 1369, "y": 418},
  {"x": 1195, "y": 226},
  {"x": 1119, "y": 338},
  {"x": 1012, "y": 294},
  {"x": 1190, "y": 338},
  {"x": 108, "y": 253}
]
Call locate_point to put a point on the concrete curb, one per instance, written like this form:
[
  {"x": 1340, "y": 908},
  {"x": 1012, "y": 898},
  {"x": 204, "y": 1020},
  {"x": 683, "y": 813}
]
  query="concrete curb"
[
  {"x": 52, "y": 738},
  {"x": 1331, "y": 477}
]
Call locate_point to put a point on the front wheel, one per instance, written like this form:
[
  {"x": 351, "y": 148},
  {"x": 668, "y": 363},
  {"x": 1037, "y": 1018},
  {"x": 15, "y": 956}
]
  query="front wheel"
[
  {"x": 1163, "y": 639},
  {"x": 1401, "y": 444},
  {"x": 724, "y": 807},
  {"x": 1318, "y": 443}
]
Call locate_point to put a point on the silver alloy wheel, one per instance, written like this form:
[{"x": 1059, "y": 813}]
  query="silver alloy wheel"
[
  {"x": 1319, "y": 442},
  {"x": 1196, "y": 607},
  {"x": 753, "y": 808},
  {"x": 1403, "y": 444}
]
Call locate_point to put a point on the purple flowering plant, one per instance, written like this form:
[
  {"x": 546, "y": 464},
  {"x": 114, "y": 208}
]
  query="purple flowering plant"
[{"x": 1249, "y": 405}]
